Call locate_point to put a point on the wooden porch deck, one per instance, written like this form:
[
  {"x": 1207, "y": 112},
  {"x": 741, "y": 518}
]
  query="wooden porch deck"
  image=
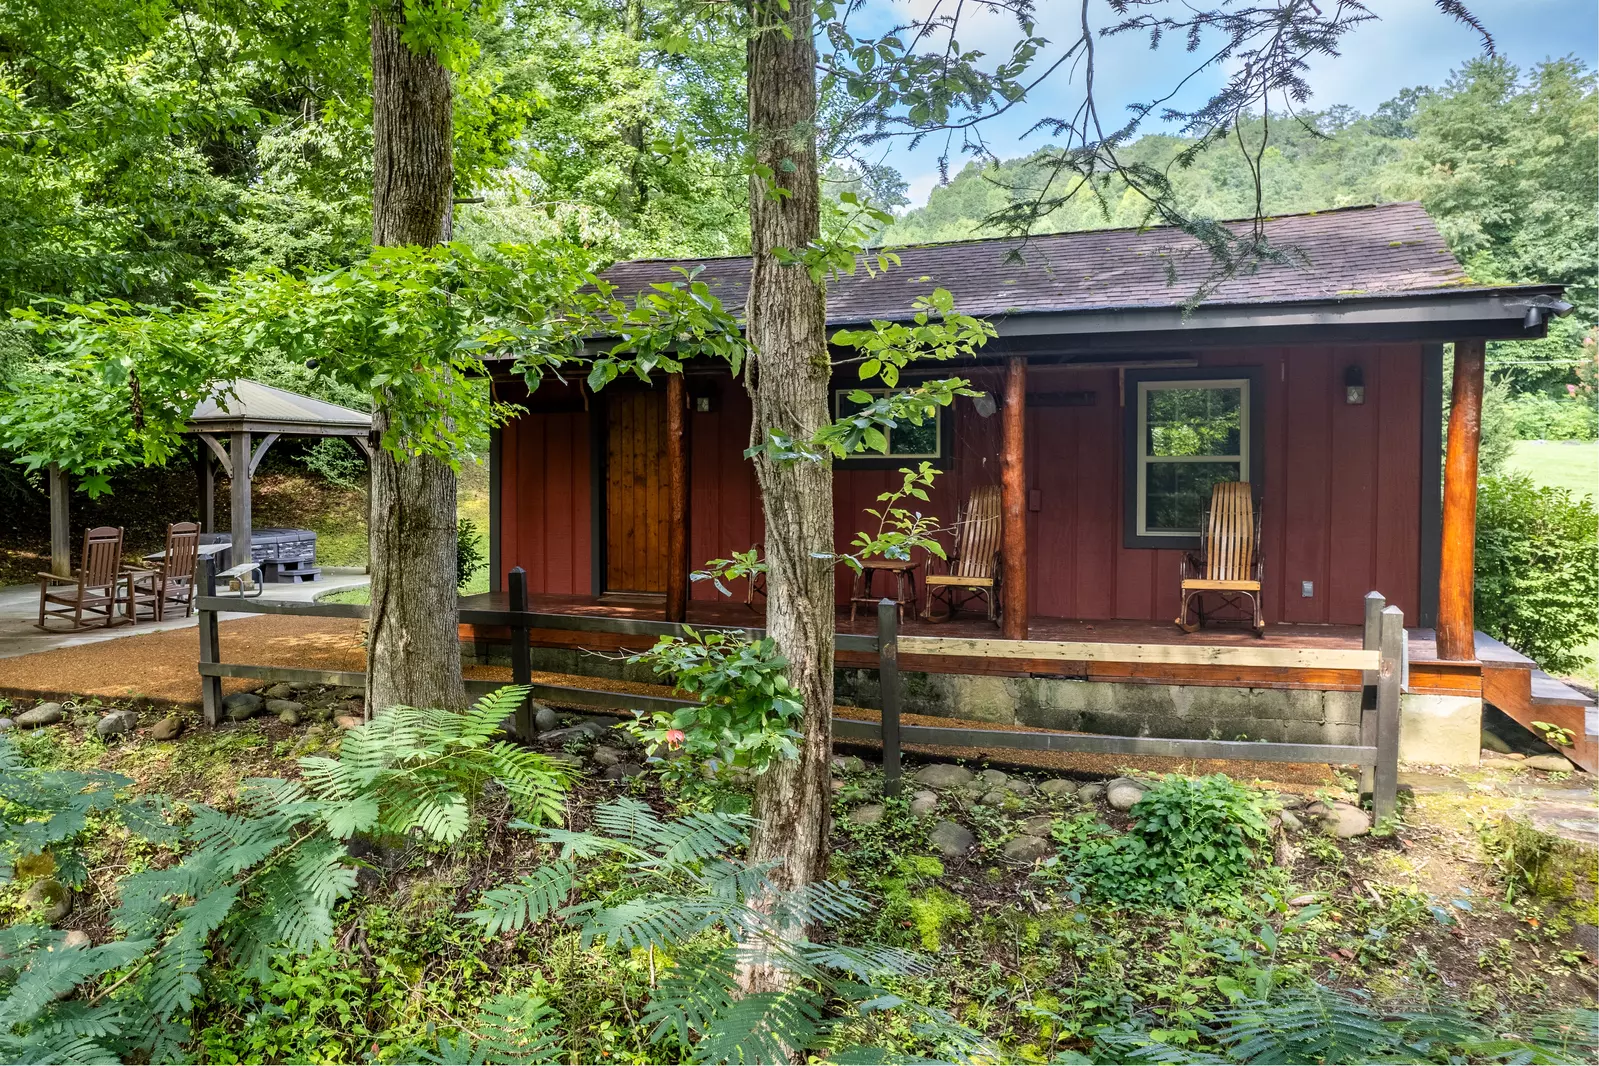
[{"x": 993, "y": 656}]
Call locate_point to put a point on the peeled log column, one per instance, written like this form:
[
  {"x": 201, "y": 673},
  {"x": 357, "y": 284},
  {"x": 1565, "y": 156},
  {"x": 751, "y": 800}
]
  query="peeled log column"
[
  {"x": 1013, "y": 494},
  {"x": 677, "y": 500},
  {"x": 1456, "y": 623}
]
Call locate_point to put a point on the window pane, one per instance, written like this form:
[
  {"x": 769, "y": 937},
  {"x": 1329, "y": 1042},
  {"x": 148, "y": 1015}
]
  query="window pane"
[
  {"x": 1176, "y": 494},
  {"x": 1197, "y": 421},
  {"x": 906, "y": 439}
]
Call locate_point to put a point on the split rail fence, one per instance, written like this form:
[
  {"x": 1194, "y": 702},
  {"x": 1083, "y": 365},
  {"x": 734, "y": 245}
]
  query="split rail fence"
[{"x": 1381, "y": 660}]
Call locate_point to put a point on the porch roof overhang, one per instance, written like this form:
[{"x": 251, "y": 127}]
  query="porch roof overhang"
[{"x": 1446, "y": 315}]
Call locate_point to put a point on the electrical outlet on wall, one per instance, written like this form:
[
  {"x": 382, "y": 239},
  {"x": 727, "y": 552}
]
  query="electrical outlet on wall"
[{"x": 1307, "y": 589}]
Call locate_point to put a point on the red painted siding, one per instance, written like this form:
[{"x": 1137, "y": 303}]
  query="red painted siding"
[{"x": 1341, "y": 494}]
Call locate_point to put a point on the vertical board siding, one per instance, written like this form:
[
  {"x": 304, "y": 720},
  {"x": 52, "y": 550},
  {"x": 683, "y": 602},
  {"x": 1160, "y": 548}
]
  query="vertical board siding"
[
  {"x": 545, "y": 521},
  {"x": 1340, "y": 508}
]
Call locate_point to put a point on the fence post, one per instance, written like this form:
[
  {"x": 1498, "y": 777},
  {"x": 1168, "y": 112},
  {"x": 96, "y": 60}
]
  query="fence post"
[
  {"x": 210, "y": 648},
  {"x": 521, "y": 654},
  {"x": 1385, "y": 790},
  {"x": 888, "y": 687},
  {"x": 1375, "y": 602}
]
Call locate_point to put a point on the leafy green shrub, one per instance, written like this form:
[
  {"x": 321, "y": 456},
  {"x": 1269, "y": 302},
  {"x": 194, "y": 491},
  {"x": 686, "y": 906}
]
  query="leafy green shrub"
[
  {"x": 747, "y": 712},
  {"x": 469, "y": 555},
  {"x": 1537, "y": 416},
  {"x": 1190, "y": 837},
  {"x": 1537, "y": 570}
]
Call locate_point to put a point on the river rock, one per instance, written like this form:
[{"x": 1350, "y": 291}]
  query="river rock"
[
  {"x": 1026, "y": 849},
  {"x": 994, "y": 778},
  {"x": 944, "y": 775},
  {"x": 50, "y": 894},
  {"x": 1056, "y": 787},
  {"x": 281, "y": 691},
  {"x": 867, "y": 814},
  {"x": 994, "y": 797},
  {"x": 1019, "y": 786},
  {"x": 923, "y": 802},
  {"x": 1290, "y": 801},
  {"x": 243, "y": 705},
  {"x": 544, "y": 718},
  {"x": 348, "y": 721},
  {"x": 951, "y": 839},
  {"x": 1499, "y": 762},
  {"x": 1345, "y": 821},
  {"x": 848, "y": 764},
  {"x": 621, "y": 771},
  {"x": 43, "y": 714},
  {"x": 1492, "y": 741},
  {"x": 1090, "y": 793},
  {"x": 1038, "y": 825},
  {"x": 116, "y": 723},
  {"x": 6, "y": 723},
  {"x": 1123, "y": 792},
  {"x": 319, "y": 712},
  {"x": 605, "y": 755},
  {"x": 167, "y": 728},
  {"x": 1554, "y": 764},
  {"x": 289, "y": 712},
  {"x": 1291, "y": 821},
  {"x": 75, "y": 939}
]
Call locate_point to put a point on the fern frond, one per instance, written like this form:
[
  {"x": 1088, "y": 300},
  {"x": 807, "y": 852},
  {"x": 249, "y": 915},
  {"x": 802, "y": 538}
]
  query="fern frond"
[
  {"x": 697, "y": 989},
  {"x": 172, "y": 982},
  {"x": 867, "y": 964},
  {"x": 51, "y": 974},
  {"x": 485, "y": 718},
  {"x": 527, "y": 901},
  {"x": 764, "y": 1027},
  {"x": 702, "y": 835},
  {"x": 630, "y": 821},
  {"x": 519, "y": 1030}
]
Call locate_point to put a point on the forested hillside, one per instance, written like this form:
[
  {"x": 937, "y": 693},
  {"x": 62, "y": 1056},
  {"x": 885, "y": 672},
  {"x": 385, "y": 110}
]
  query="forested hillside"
[{"x": 1503, "y": 159}]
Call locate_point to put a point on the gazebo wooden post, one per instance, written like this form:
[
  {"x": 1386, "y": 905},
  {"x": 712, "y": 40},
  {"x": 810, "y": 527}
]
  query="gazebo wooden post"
[
  {"x": 239, "y": 497},
  {"x": 60, "y": 523},
  {"x": 1456, "y": 624},
  {"x": 208, "y": 489},
  {"x": 1013, "y": 496},
  {"x": 677, "y": 499}
]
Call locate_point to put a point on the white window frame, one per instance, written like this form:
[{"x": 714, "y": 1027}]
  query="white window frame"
[
  {"x": 1143, "y": 458},
  {"x": 840, "y": 395}
]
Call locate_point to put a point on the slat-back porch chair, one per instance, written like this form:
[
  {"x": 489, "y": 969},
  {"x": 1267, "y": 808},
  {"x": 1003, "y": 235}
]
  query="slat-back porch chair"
[
  {"x": 95, "y": 589},
  {"x": 170, "y": 582},
  {"x": 973, "y": 569},
  {"x": 1229, "y": 564}
]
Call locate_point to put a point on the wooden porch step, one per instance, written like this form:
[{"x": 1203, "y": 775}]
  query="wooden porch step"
[{"x": 1529, "y": 695}]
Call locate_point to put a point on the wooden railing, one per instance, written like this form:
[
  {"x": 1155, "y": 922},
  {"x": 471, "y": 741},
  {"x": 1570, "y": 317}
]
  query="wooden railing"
[{"x": 1381, "y": 661}]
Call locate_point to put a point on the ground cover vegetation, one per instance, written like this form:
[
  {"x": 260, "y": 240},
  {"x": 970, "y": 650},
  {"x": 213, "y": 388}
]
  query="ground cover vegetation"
[
  {"x": 404, "y": 326},
  {"x": 416, "y": 889}
]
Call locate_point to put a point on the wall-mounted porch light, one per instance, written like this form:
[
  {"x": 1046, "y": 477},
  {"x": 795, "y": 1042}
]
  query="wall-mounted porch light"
[{"x": 1354, "y": 385}]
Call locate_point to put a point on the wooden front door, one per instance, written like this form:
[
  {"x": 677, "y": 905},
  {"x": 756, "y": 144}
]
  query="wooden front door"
[{"x": 635, "y": 492}]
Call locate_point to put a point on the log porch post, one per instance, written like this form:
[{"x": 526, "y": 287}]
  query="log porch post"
[
  {"x": 677, "y": 499},
  {"x": 60, "y": 523},
  {"x": 1456, "y": 624},
  {"x": 1013, "y": 496}
]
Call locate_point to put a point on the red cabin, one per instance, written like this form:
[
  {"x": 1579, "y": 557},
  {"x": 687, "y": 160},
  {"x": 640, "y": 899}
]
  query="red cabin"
[{"x": 1318, "y": 382}]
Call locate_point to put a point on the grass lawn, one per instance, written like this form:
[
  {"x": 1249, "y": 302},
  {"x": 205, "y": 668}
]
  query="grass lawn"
[{"x": 1562, "y": 464}]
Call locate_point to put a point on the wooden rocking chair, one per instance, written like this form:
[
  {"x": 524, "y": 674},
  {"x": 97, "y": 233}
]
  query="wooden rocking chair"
[
  {"x": 94, "y": 590},
  {"x": 973, "y": 568},
  {"x": 1229, "y": 562},
  {"x": 171, "y": 582}
]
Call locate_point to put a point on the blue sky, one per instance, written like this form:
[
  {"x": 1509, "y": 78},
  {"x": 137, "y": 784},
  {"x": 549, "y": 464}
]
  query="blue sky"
[{"x": 1411, "y": 44}]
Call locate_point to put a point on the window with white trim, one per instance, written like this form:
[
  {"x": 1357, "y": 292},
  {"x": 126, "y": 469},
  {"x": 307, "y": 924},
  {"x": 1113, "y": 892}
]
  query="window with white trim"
[{"x": 1190, "y": 434}]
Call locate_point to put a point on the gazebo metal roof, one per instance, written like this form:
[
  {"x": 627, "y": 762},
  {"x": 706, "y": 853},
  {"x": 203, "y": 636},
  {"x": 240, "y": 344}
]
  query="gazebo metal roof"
[{"x": 246, "y": 406}]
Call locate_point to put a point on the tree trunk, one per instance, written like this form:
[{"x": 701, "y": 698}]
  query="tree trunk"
[
  {"x": 788, "y": 381},
  {"x": 413, "y": 657},
  {"x": 634, "y": 193}
]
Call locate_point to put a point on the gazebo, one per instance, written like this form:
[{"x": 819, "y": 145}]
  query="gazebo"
[{"x": 236, "y": 425}]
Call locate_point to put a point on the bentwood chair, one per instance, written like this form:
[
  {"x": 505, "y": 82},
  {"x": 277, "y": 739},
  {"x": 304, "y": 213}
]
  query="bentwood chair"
[{"x": 1228, "y": 564}]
